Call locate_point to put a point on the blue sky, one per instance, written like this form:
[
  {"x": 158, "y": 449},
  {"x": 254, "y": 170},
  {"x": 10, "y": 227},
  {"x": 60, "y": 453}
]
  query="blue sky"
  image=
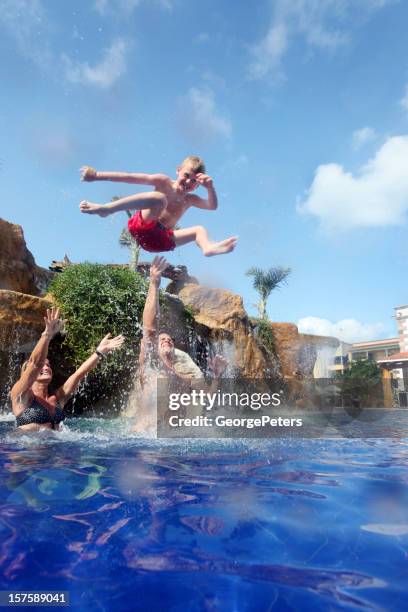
[{"x": 299, "y": 107}]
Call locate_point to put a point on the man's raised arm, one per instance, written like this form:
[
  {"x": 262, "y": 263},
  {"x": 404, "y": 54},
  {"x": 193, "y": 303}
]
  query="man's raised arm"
[{"x": 151, "y": 312}]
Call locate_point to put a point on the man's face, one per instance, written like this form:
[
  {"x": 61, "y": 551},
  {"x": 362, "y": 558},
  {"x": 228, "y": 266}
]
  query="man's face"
[
  {"x": 186, "y": 178},
  {"x": 166, "y": 345}
]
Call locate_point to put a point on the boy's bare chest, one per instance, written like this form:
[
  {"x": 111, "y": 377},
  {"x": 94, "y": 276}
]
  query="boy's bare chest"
[{"x": 176, "y": 205}]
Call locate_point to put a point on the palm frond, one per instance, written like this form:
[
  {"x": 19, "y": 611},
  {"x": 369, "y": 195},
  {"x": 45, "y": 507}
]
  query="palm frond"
[
  {"x": 265, "y": 281},
  {"x": 125, "y": 239},
  {"x": 258, "y": 275}
]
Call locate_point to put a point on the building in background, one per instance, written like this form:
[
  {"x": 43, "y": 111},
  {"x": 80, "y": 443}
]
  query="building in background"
[
  {"x": 374, "y": 350},
  {"x": 401, "y": 315},
  {"x": 395, "y": 366},
  {"x": 341, "y": 357},
  {"x": 390, "y": 354}
]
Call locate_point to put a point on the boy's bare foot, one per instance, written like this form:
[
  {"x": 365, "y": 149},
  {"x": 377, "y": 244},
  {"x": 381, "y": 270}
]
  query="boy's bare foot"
[
  {"x": 93, "y": 209},
  {"x": 219, "y": 248}
]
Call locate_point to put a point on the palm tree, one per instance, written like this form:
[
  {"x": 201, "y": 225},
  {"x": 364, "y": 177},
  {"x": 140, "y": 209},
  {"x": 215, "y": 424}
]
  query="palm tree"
[
  {"x": 127, "y": 240},
  {"x": 265, "y": 282}
]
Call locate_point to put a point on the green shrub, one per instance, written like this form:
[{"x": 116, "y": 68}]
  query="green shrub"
[
  {"x": 360, "y": 384},
  {"x": 264, "y": 334},
  {"x": 189, "y": 317},
  {"x": 97, "y": 299}
]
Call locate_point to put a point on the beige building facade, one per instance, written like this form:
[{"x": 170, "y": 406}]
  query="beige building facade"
[
  {"x": 390, "y": 354},
  {"x": 395, "y": 366}
]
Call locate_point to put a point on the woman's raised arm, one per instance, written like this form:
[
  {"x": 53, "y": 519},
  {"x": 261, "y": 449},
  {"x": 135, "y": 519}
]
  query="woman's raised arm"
[
  {"x": 106, "y": 346},
  {"x": 53, "y": 325}
]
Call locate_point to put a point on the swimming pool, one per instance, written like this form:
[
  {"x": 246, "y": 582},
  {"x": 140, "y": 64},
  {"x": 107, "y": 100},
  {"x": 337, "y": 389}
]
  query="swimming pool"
[{"x": 129, "y": 524}]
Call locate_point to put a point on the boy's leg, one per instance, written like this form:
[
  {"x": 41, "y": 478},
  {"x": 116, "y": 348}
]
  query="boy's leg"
[
  {"x": 200, "y": 235},
  {"x": 152, "y": 203}
]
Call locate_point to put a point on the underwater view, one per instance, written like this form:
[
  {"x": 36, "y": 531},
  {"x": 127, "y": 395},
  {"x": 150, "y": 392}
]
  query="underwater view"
[{"x": 123, "y": 523}]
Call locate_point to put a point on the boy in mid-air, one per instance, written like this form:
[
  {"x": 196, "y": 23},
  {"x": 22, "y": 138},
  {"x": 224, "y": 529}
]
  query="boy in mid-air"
[{"x": 158, "y": 211}]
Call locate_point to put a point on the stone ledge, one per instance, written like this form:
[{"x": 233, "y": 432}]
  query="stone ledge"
[
  {"x": 21, "y": 319},
  {"x": 18, "y": 270}
]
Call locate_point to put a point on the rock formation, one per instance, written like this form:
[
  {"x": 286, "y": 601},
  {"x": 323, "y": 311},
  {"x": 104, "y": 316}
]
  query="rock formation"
[
  {"x": 59, "y": 266},
  {"x": 18, "y": 270},
  {"x": 21, "y": 319},
  {"x": 298, "y": 352},
  {"x": 223, "y": 320}
]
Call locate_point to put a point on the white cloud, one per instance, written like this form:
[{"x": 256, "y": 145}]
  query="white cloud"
[
  {"x": 362, "y": 137},
  {"x": 241, "y": 160},
  {"x": 27, "y": 22},
  {"x": 201, "y": 120},
  {"x": 125, "y": 7},
  {"x": 377, "y": 195},
  {"x": 104, "y": 7},
  {"x": 348, "y": 330},
  {"x": 404, "y": 100},
  {"x": 269, "y": 51},
  {"x": 105, "y": 73},
  {"x": 321, "y": 25}
]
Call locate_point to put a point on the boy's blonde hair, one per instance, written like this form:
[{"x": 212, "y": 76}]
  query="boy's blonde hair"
[{"x": 197, "y": 163}]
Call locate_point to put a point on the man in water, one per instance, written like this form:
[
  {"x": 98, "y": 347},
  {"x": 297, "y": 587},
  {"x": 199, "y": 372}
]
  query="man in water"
[{"x": 157, "y": 354}]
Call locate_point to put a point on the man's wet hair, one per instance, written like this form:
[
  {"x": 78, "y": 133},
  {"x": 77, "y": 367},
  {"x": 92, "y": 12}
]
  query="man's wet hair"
[{"x": 167, "y": 332}]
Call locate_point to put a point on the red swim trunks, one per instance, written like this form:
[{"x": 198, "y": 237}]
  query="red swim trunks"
[{"x": 152, "y": 236}]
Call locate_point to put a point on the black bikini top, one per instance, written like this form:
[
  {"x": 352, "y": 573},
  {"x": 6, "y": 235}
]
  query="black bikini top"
[{"x": 37, "y": 413}]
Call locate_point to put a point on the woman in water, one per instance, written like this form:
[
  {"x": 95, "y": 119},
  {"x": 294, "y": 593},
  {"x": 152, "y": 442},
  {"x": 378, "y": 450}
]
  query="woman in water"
[{"x": 33, "y": 406}]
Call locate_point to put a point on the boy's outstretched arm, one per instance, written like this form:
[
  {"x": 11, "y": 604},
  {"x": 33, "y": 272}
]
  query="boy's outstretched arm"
[
  {"x": 89, "y": 174},
  {"x": 211, "y": 203}
]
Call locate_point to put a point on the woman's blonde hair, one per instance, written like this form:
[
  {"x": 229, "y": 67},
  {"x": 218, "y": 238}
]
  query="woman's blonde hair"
[
  {"x": 26, "y": 363},
  {"x": 24, "y": 366}
]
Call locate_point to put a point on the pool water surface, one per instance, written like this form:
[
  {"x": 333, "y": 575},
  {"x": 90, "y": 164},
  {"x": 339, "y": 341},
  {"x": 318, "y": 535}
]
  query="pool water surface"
[{"x": 123, "y": 523}]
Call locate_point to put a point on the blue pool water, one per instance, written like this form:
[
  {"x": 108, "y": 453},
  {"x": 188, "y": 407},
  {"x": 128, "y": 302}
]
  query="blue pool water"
[{"x": 129, "y": 524}]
